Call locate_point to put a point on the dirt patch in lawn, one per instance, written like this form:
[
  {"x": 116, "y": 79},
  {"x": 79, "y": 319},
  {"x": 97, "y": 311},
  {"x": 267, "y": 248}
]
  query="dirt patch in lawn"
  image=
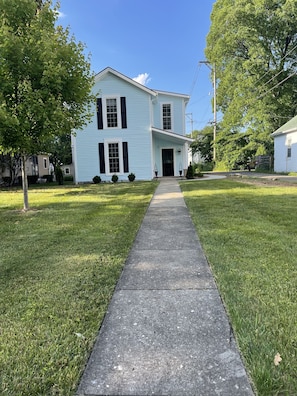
[{"x": 267, "y": 182}]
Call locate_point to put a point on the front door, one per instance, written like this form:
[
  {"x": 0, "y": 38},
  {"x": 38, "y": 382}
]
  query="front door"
[{"x": 167, "y": 162}]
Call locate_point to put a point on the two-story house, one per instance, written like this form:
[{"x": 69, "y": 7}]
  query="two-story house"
[{"x": 134, "y": 129}]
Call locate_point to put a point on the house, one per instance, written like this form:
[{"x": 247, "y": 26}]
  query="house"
[
  {"x": 36, "y": 166},
  {"x": 134, "y": 129},
  {"x": 285, "y": 147}
]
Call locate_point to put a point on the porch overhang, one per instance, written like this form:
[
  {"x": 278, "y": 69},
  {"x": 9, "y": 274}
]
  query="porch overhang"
[{"x": 171, "y": 136}]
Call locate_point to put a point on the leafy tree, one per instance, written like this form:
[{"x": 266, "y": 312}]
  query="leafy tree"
[
  {"x": 253, "y": 46},
  {"x": 203, "y": 143},
  {"x": 60, "y": 150},
  {"x": 45, "y": 80},
  {"x": 12, "y": 163}
]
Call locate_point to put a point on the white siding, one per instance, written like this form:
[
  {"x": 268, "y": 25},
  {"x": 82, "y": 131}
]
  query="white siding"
[{"x": 283, "y": 163}]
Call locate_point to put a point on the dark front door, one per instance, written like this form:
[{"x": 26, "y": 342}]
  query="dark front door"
[{"x": 167, "y": 162}]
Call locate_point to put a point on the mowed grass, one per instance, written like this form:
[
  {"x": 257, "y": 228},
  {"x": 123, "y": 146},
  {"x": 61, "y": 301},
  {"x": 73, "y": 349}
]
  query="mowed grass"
[
  {"x": 249, "y": 234},
  {"x": 59, "y": 264}
]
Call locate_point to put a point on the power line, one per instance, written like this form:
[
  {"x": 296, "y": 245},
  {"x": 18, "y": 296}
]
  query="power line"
[
  {"x": 288, "y": 53},
  {"x": 285, "y": 79},
  {"x": 196, "y": 74}
]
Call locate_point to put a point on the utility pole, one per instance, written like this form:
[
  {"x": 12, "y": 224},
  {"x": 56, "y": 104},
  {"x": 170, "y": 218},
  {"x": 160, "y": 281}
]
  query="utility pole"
[{"x": 213, "y": 70}]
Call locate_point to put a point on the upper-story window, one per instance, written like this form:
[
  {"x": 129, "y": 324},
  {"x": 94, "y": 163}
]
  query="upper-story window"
[
  {"x": 111, "y": 112},
  {"x": 167, "y": 116}
]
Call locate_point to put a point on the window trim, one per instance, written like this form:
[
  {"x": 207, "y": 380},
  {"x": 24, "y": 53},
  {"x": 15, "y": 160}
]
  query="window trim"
[
  {"x": 106, "y": 156},
  {"x": 171, "y": 115},
  {"x": 104, "y": 111}
]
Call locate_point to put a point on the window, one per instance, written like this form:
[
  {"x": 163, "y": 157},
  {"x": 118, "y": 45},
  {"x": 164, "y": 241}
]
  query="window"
[
  {"x": 115, "y": 155},
  {"x": 114, "y": 158},
  {"x": 166, "y": 114},
  {"x": 67, "y": 171},
  {"x": 45, "y": 163},
  {"x": 111, "y": 112},
  {"x": 289, "y": 152}
]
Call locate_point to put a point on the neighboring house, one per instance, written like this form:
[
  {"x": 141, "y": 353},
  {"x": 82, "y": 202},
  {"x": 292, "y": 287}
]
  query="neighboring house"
[
  {"x": 36, "y": 165},
  {"x": 134, "y": 129},
  {"x": 68, "y": 170},
  {"x": 285, "y": 147}
]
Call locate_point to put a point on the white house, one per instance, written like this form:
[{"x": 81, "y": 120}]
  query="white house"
[
  {"x": 134, "y": 129},
  {"x": 285, "y": 147}
]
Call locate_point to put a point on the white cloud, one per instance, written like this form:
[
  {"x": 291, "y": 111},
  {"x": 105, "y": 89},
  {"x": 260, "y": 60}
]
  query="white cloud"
[
  {"x": 61, "y": 15},
  {"x": 142, "y": 78}
]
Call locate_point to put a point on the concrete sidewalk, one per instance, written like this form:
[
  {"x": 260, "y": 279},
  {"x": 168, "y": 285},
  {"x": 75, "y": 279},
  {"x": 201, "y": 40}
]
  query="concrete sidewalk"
[{"x": 166, "y": 331}]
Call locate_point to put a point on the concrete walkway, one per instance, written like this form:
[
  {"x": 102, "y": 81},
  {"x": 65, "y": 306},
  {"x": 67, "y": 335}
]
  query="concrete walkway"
[{"x": 166, "y": 331}]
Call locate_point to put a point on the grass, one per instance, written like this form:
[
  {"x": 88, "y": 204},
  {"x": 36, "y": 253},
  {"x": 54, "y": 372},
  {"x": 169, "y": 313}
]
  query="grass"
[
  {"x": 249, "y": 234},
  {"x": 59, "y": 264}
]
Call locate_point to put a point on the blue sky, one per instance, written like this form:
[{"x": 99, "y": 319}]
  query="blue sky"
[{"x": 159, "y": 41}]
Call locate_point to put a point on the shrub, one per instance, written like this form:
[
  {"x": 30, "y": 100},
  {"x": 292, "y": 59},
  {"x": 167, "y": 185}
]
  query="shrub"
[
  {"x": 49, "y": 178},
  {"x": 59, "y": 175},
  {"x": 96, "y": 179},
  {"x": 114, "y": 178},
  {"x": 68, "y": 178},
  {"x": 131, "y": 177},
  {"x": 190, "y": 172}
]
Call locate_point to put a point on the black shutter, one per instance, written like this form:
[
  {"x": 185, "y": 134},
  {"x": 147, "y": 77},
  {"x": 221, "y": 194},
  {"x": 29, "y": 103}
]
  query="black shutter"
[
  {"x": 99, "y": 113},
  {"x": 125, "y": 157},
  {"x": 123, "y": 112},
  {"x": 101, "y": 158}
]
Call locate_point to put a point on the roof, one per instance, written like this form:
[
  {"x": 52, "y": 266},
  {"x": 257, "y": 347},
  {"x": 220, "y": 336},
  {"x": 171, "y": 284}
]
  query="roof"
[
  {"x": 290, "y": 126},
  {"x": 152, "y": 92},
  {"x": 171, "y": 135}
]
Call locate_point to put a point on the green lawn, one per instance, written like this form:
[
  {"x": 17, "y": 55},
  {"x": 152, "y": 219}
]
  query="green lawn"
[
  {"x": 249, "y": 234},
  {"x": 59, "y": 264}
]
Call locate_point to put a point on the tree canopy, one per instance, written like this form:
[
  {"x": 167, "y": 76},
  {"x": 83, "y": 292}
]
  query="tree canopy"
[
  {"x": 253, "y": 46},
  {"x": 45, "y": 79}
]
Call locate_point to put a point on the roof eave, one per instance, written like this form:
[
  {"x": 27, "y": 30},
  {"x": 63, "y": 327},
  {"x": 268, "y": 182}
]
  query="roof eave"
[
  {"x": 103, "y": 72},
  {"x": 173, "y": 135}
]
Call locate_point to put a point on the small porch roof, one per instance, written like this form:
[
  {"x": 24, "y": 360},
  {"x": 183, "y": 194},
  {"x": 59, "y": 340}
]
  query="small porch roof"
[{"x": 171, "y": 136}]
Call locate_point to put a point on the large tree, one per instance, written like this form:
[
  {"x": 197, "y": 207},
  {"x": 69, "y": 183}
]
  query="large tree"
[
  {"x": 203, "y": 143},
  {"x": 45, "y": 80},
  {"x": 253, "y": 46}
]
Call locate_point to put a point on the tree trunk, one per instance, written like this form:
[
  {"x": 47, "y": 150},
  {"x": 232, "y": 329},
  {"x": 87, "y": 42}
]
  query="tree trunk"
[{"x": 25, "y": 183}]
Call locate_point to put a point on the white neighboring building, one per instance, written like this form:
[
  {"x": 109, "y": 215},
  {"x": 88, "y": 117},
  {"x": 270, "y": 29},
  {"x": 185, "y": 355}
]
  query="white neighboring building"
[{"x": 285, "y": 147}]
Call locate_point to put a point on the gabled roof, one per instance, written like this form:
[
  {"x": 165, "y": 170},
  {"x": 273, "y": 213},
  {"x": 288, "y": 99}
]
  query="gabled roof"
[
  {"x": 152, "y": 92},
  {"x": 107, "y": 70},
  {"x": 290, "y": 126}
]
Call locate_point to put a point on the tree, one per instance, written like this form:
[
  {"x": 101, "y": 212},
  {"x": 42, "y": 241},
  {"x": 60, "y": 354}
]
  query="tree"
[
  {"x": 253, "y": 45},
  {"x": 13, "y": 164},
  {"x": 60, "y": 150},
  {"x": 45, "y": 80},
  {"x": 203, "y": 143}
]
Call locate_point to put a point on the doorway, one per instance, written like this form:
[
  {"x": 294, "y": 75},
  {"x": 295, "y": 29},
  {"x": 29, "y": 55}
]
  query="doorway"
[{"x": 167, "y": 162}]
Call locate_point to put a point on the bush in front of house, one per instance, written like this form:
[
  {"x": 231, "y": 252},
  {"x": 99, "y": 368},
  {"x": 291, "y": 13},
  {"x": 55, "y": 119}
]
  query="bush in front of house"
[
  {"x": 114, "y": 178},
  {"x": 49, "y": 178},
  {"x": 190, "y": 172},
  {"x": 131, "y": 177},
  {"x": 96, "y": 179},
  {"x": 68, "y": 178}
]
